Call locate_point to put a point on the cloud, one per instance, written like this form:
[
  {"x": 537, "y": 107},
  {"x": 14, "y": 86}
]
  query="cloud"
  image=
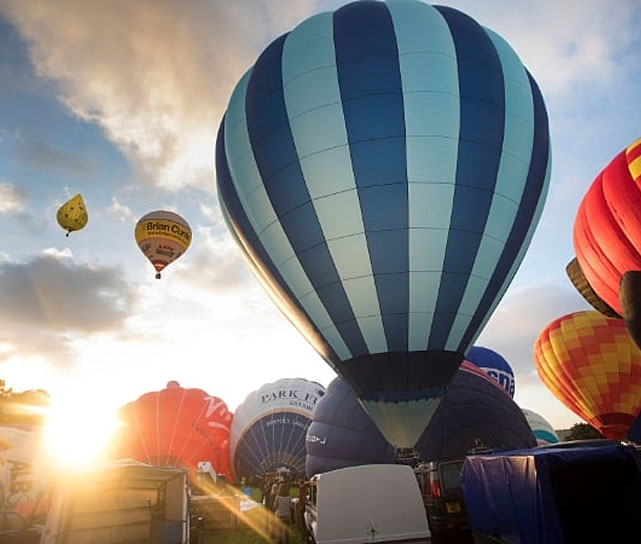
[
  {"x": 50, "y": 299},
  {"x": 121, "y": 211},
  {"x": 565, "y": 44},
  {"x": 156, "y": 75},
  {"x": 13, "y": 200},
  {"x": 521, "y": 316},
  {"x": 216, "y": 266},
  {"x": 58, "y": 254},
  {"x": 45, "y": 156}
]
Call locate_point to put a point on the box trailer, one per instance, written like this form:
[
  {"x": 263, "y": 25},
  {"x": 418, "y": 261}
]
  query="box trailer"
[{"x": 122, "y": 503}]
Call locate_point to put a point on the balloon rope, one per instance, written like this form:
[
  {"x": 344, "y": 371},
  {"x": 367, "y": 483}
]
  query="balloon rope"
[
  {"x": 266, "y": 442},
  {"x": 157, "y": 456},
  {"x": 173, "y": 434},
  {"x": 144, "y": 447},
  {"x": 251, "y": 429},
  {"x": 296, "y": 447},
  {"x": 192, "y": 428},
  {"x": 280, "y": 443}
]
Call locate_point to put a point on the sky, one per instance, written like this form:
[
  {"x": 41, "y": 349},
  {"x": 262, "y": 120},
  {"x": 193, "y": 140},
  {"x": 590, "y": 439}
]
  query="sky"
[{"x": 121, "y": 101}]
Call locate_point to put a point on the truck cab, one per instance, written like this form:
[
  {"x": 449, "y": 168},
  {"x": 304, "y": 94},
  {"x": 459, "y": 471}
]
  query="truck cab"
[{"x": 440, "y": 484}]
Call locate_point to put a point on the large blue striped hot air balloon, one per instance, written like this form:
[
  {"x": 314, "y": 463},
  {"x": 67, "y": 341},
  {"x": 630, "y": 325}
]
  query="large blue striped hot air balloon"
[{"x": 383, "y": 168}]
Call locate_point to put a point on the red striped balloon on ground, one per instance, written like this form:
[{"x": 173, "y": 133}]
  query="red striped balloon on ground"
[{"x": 176, "y": 427}]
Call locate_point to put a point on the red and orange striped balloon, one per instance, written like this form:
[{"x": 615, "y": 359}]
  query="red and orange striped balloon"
[
  {"x": 590, "y": 363},
  {"x": 607, "y": 229}
]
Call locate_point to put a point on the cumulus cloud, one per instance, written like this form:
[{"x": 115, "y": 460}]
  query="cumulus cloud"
[
  {"x": 216, "y": 266},
  {"x": 58, "y": 254},
  {"x": 155, "y": 74},
  {"x": 520, "y": 318},
  {"x": 122, "y": 212},
  {"x": 564, "y": 44},
  {"x": 49, "y": 299},
  {"x": 13, "y": 200}
]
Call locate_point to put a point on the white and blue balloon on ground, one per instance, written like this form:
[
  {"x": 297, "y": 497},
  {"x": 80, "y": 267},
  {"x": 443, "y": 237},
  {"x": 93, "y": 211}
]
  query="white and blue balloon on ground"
[
  {"x": 542, "y": 429},
  {"x": 269, "y": 427},
  {"x": 383, "y": 168}
]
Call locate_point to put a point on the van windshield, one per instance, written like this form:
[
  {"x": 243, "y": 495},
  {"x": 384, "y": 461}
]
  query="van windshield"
[{"x": 451, "y": 475}]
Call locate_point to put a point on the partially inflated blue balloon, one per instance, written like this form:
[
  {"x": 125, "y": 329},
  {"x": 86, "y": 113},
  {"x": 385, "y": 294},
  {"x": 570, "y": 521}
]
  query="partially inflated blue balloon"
[
  {"x": 475, "y": 411},
  {"x": 383, "y": 168},
  {"x": 494, "y": 364}
]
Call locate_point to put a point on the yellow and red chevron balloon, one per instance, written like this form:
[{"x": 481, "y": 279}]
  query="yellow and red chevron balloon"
[{"x": 590, "y": 363}]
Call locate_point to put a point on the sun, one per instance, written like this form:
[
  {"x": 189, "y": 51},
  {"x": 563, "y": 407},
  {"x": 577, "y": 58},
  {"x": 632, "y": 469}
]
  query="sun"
[{"x": 78, "y": 431}]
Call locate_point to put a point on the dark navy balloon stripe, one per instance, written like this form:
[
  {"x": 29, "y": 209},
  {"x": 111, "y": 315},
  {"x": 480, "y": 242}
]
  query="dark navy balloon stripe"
[
  {"x": 259, "y": 256},
  {"x": 400, "y": 376},
  {"x": 370, "y": 81},
  {"x": 481, "y": 141},
  {"x": 523, "y": 222},
  {"x": 278, "y": 163}
]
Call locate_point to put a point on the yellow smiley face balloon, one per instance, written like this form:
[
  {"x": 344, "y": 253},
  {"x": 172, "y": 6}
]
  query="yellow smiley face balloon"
[{"x": 72, "y": 215}]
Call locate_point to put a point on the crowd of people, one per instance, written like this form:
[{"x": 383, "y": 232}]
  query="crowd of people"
[{"x": 276, "y": 497}]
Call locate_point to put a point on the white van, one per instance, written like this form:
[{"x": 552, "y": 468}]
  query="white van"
[
  {"x": 123, "y": 502},
  {"x": 366, "y": 504}
]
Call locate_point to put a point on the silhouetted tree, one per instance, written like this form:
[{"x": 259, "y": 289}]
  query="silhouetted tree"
[
  {"x": 583, "y": 431},
  {"x": 22, "y": 407}
]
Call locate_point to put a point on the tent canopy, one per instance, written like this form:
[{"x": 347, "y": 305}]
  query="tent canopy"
[{"x": 554, "y": 496}]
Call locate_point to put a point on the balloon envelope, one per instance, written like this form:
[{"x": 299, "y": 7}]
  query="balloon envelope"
[
  {"x": 630, "y": 298},
  {"x": 342, "y": 434},
  {"x": 269, "y": 428},
  {"x": 543, "y": 431},
  {"x": 607, "y": 228},
  {"x": 590, "y": 363},
  {"x": 475, "y": 410},
  {"x": 24, "y": 477},
  {"x": 383, "y": 168},
  {"x": 578, "y": 279},
  {"x": 176, "y": 427},
  {"x": 72, "y": 215},
  {"x": 494, "y": 364},
  {"x": 163, "y": 237}
]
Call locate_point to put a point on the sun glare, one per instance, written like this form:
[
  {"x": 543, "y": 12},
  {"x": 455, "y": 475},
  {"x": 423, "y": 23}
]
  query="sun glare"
[{"x": 78, "y": 432}]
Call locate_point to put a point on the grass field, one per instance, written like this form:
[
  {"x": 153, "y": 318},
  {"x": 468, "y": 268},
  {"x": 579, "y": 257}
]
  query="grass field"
[{"x": 253, "y": 528}]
